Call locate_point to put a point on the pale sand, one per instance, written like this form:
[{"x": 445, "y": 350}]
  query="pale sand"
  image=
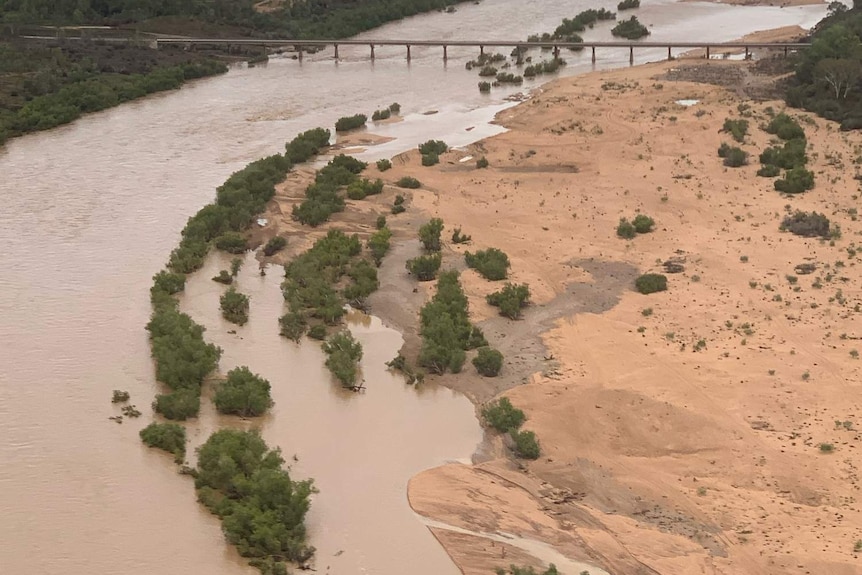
[
  {"x": 656, "y": 459},
  {"x": 672, "y": 461}
]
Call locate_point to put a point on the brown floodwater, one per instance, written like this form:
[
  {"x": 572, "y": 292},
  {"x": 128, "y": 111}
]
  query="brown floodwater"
[{"x": 90, "y": 212}]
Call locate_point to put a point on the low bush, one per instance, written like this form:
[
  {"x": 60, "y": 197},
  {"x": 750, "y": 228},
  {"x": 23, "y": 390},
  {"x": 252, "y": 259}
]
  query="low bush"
[
  {"x": 399, "y": 199},
  {"x": 626, "y": 229},
  {"x": 243, "y": 393},
  {"x": 736, "y": 128},
  {"x": 262, "y": 509},
  {"x": 526, "y": 444},
  {"x": 179, "y": 405},
  {"x": 378, "y": 243},
  {"x": 347, "y": 123},
  {"x": 643, "y": 224},
  {"x": 429, "y": 235},
  {"x": 430, "y": 159},
  {"x": 509, "y": 78},
  {"x": 363, "y": 283},
  {"x": 182, "y": 356},
  {"x": 735, "y": 158},
  {"x": 651, "y": 283},
  {"x": 234, "y": 306},
  {"x": 409, "y": 183},
  {"x": 630, "y": 29},
  {"x": 807, "y": 224},
  {"x": 433, "y": 147},
  {"x": 398, "y": 209},
  {"x": 120, "y": 396},
  {"x": 488, "y": 71},
  {"x": 492, "y": 264},
  {"x": 292, "y": 325},
  {"x": 360, "y": 189},
  {"x": 384, "y": 165},
  {"x": 383, "y": 114},
  {"x": 488, "y": 362},
  {"x": 785, "y": 127},
  {"x": 768, "y": 171},
  {"x": 318, "y": 332},
  {"x": 503, "y": 416},
  {"x": 223, "y": 277},
  {"x": 231, "y": 242},
  {"x": 628, "y": 5},
  {"x": 425, "y": 268},
  {"x": 795, "y": 181},
  {"x": 446, "y": 329},
  {"x": 274, "y": 246},
  {"x": 511, "y": 299},
  {"x": 168, "y": 283},
  {"x": 790, "y": 155},
  {"x": 459, "y": 238},
  {"x": 169, "y": 437},
  {"x": 343, "y": 354},
  {"x": 380, "y": 223},
  {"x": 395, "y": 108},
  {"x": 484, "y": 87},
  {"x": 482, "y": 163}
]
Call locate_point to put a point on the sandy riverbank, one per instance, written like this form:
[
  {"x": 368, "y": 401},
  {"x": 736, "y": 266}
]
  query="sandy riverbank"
[{"x": 656, "y": 458}]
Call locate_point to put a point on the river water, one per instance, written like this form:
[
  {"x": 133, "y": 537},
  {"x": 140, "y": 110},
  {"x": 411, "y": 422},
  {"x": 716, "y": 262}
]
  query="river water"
[{"x": 90, "y": 213}]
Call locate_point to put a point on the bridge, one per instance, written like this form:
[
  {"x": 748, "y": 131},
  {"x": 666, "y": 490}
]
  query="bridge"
[{"x": 303, "y": 45}]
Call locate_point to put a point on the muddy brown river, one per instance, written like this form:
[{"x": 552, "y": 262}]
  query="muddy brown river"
[{"x": 91, "y": 211}]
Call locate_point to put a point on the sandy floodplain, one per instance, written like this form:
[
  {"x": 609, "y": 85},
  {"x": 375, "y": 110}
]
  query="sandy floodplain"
[{"x": 680, "y": 431}]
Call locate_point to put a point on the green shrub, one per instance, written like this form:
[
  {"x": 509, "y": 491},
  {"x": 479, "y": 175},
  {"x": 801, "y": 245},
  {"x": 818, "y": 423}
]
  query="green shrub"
[
  {"x": 223, "y": 277},
  {"x": 359, "y": 189},
  {"x": 433, "y": 147},
  {"x": 178, "y": 405},
  {"x": 292, "y": 325},
  {"x": 231, "y": 242},
  {"x": 347, "y": 123},
  {"x": 790, "y": 155},
  {"x": 488, "y": 362},
  {"x": 487, "y": 71},
  {"x": 631, "y": 29},
  {"x": 343, "y": 354},
  {"x": 643, "y": 224},
  {"x": 768, "y": 171},
  {"x": 807, "y": 224},
  {"x": 735, "y": 158},
  {"x": 381, "y": 222},
  {"x": 262, "y": 510},
  {"x": 234, "y": 306},
  {"x": 167, "y": 283},
  {"x": 503, "y": 416},
  {"x": 482, "y": 163},
  {"x": 459, "y": 238},
  {"x": 363, "y": 283},
  {"x": 395, "y": 108},
  {"x": 785, "y": 127},
  {"x": 736, "y": 128},
  {"x": 795, "y": 181},
  {"x": 378, "y": 243},
  {"x": 274, "y": 245},
  {"x": 318, "y": 332},
  {"x": 408, "y": 182},
  {"x": 484, "y": 87},
  {"x": 628, "y": 5},
  {"x": 399, "y": 199},
  {"x": 383, "y": 114},
  {"x": 243, "y": 393},
  {"x": 626, "y": 229},
  {"x": 181, "y": 355},
  {"x": 429, "y": 235},
  {"x": 511, "y": 299},
  {"x": 651, "y": 283},
  {"x": 425, "y": 267},
  {"x": 430, "y": 159},
  {"x": 306, "y": 145},
  {"x": 445, "y": 327},
  {"x": 120, "y": 396},
  {"x": 492, "y": 264},
  {"x": 169, "y": 437},
  {"x": 384, "y": 165},
  {"x": 398, "y": 209},
  {"x": 526, "y": 445}
]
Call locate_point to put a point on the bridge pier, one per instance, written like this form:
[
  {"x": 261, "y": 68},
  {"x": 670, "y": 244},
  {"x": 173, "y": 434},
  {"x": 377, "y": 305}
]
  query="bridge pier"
[
  {"x": 669, "y": 57},
  {"x": 594, "y": 54},
  {"x": 372, "y": 52},
  {"x": 408, "y": 52},
  {"x": 336, "y": 51},
  {"x": 445, "y": 53},
  {"x": 299, "y": 50},
  {"x": 631, "y": 55},
  {"x": 707, "y": 51},
  {"x": 482, "y": 50},
  {"x": 556, "y": 52}
]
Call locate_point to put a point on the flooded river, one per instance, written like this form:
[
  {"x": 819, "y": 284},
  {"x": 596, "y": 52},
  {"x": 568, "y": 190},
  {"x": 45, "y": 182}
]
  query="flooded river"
[{"x": 90, "y": 213}]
